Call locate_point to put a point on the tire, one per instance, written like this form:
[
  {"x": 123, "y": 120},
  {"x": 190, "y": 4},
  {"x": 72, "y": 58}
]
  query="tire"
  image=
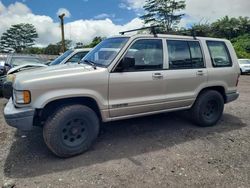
[
  {"x": 241, "y": 73},
  {"x": 71, "y": 130},
  {"x": 208, "y": 108}
]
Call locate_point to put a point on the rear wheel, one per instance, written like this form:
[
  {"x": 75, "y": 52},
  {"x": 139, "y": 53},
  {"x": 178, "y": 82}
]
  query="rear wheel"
[
  {"x": 71, "y": 130},
  {"x": 208, "y": 108}
]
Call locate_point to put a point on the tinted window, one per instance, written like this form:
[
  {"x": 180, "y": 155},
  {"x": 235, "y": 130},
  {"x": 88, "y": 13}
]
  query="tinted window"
[
  {"x": 184, "y": 54},
  {"x": 59, "y": 59},
  {"x": 147, "y": 54},
  {"x": 219, "y": 54},
  {"x": 77, "y": 57}
]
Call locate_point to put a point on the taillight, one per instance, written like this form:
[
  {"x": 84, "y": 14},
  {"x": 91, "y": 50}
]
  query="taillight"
[{"x": 238, "y": 78}]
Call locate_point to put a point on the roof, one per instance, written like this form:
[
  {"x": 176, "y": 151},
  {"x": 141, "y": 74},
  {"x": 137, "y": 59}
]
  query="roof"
[{"x": 167, "y": 36}]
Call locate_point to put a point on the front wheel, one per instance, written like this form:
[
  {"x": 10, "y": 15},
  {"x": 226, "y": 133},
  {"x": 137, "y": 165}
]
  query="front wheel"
[
  {"x": 71, "y": 130},
  {"x": 208, "y": 108}
]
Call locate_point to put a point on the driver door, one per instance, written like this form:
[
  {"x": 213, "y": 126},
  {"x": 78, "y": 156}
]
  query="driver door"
[{"x": 139, "y": 87}]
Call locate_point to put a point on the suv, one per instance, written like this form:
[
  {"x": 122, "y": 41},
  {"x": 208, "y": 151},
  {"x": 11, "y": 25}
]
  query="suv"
[{"x": 125, "y": 77}]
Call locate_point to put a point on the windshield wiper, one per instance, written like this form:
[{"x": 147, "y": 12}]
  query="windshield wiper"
[{"x": 90, "y": 63}]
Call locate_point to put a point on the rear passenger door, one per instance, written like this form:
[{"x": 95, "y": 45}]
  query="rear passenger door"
[{"x": 186, "y": 72}]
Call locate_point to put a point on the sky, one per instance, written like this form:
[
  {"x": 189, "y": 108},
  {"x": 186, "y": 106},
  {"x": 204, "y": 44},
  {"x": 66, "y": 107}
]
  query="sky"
[{"x": 86, "y": 19}]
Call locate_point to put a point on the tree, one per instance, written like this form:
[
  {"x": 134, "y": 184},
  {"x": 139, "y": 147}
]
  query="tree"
[
  {"x": 165, "y": 13},
  {"x": 242, "y": 46},
  {"x": 55, "y": 49},
  {"x": 19, "y": 37},
  {"x": 94, "y": 42}
]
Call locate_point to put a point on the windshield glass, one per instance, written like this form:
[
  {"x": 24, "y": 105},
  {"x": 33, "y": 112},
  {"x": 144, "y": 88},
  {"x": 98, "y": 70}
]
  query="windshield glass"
[
  {"x": 244, "y": 61},
  {"x": 61, "y": 58},
  {"x": 104, "y": 53},
  {"x": 16, "y": 61}
]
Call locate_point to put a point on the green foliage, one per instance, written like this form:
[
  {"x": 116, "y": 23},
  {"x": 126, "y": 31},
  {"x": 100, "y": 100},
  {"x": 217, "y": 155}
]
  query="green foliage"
[
  {"x": 242, "y": 46},
  {"x": 94, "y": 42},
  {"x": 55, "y": 49},
  {"x": 33, "y": 50},
  {"x": 230, "y": 27},
  {"x": 235, "y": 29},
  {"x": 19, "y": 37},
  {"x": 165, "y": 13}
]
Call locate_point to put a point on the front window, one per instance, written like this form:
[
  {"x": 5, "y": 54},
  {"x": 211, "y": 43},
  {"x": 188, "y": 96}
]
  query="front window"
[
  {"x": 146, "y": 55},
  {"x": 105, "y": 52},
  {"x": 61, "y": 57},
  {"x": 244, "y": 61},
  {"x": 77, "y": 57}
]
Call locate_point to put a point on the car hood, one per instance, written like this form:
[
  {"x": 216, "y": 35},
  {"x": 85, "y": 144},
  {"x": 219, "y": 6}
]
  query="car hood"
[
  {"x": 245, "y": 65},
  {"x": 57, "y": 73},
  {"x": 25, "y": 67}
]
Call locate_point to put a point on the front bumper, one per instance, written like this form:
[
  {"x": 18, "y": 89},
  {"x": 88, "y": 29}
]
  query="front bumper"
[
  {"x": 245, "y": 70},
  {"x": 232, "y": 97},
  {"x": 20, "y": 118}
]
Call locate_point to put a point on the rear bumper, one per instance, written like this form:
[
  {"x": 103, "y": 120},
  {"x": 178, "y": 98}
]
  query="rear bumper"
[
  {"x": 20, "y": 118},
  {"x": 232, "y": 97}
]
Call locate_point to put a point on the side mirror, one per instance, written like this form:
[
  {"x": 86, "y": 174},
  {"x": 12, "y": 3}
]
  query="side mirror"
[{"x": 125, "y": 64}]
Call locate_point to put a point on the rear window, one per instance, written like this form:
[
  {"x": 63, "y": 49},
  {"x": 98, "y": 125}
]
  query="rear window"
[
  {"x": 219, "y": 54},
  {"x": 184, "y": 54}
]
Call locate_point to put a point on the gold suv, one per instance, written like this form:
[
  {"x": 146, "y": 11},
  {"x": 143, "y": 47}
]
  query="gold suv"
[{"x": 125, "y": 77}]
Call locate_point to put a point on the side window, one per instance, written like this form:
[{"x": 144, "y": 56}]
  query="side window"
[
  {"x": 219, "y": 54},
  {"x": 145, "y": 55},
  {"x": 77, "y": 57},
  {"x": 184, "y": 54}
]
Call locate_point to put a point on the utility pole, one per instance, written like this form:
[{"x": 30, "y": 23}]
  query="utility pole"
[{"x": 62, "y": 29}]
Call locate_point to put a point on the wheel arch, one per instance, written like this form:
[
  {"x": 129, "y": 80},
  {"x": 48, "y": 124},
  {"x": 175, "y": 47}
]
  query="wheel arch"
[
  {"x": 50, "y": 107},
  {"x": 220, "y": 89}
]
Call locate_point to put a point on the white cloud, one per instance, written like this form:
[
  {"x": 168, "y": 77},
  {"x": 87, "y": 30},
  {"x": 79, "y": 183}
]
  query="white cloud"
[
  {"x": 205, "y": 10},
  {"x": 132, "y": 4},
  {"x": 63, "y": 11},
  {"x": 49, "y": 30},
  {"x": 86, "y": 30},
  {"x": 104, "y": 16}
]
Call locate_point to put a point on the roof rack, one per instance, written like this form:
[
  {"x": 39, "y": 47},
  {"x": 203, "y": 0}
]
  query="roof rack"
[{"x": 151, "y": 28}]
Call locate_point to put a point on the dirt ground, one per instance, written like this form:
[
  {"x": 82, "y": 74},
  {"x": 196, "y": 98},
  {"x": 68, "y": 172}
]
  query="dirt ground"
[{"x": 163, "y": 150}]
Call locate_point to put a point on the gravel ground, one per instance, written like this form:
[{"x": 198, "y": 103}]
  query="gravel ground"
[{"x": 158, "y": 151}]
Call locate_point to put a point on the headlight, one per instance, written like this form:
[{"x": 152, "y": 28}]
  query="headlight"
[
  {"x": 11, "y": 78},
  {"x": 22, "y": 97}
]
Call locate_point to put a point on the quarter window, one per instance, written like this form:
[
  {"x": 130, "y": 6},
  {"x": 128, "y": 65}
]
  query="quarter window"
[
  {"x": 219, "y": 54},
  {"x": 147, "y": 54},
  {"x": 184, "y": 54}
]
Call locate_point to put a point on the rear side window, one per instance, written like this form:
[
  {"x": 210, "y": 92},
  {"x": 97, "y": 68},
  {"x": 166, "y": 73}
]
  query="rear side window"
[
  {"x": 219, "y": 54},
  {"x": 184, "y": 54}
]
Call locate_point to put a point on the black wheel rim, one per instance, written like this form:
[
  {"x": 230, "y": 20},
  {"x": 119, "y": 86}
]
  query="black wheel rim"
[
  {"x": 211, "y": 109},
  {"x": 74, "y": 132}
]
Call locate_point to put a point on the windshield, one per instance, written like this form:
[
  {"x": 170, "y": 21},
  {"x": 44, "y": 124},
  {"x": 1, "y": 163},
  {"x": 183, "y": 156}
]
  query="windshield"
[
  {"x": 16, "y": 61},
  {"x": 104, "y": 53},
  {"x": 61, "y": 58},
  {"x": 244, "y": 61}
]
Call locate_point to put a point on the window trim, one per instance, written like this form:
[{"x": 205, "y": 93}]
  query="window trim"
[
  {"x": 227, "y": 51},
  {"x": 187, "y": 41},
  {"x": 131, "y": 44}
]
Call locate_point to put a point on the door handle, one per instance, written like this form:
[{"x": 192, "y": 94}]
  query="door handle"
[
  {"x": 157, "y": 76},
  {"x": 200, "y": 73}
]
